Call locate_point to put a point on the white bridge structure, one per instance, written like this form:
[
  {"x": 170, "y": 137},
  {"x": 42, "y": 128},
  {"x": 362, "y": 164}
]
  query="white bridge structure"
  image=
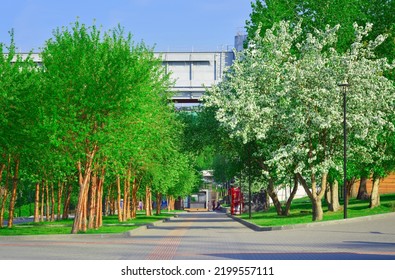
[{"x": 193, "y": 72}]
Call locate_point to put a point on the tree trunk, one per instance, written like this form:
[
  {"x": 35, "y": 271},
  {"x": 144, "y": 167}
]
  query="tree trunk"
[
  {"x": 13, "y": 195},
  {"x": 333, "y": 204},
  {"x": 60, "y": 193},
  {"x": 42, "y": 202},
  {"x": 314, "y": 195},
  {"x": 285, "y": 211},
  {"x": 125, "y": 200},
  {"x": 52, "y": 203},
  {"x": 37, "y": 204},
  {"x": 99, "y": 201},
  {"x": 66, "y": 206},
  {"x": 134, "y": 199},
  {"x": 108, "y": 201},
  {"x": 375, "y": 196},
  {"x": 126, "y": 197},
  {"x": 318, "y": 213},
  {"x": 120, "y": 218},
  {"x": 328, "y": 195},
  {"x": 99, "y": 205},
  {"x": 47, "y": 212},
  {"x": 2, "y": 205},
  {"x": 362, "y": 190},
  {"x": 170, "y": 203},
  {"x": 92, "y": 201},
  {"x": 3, "y": 195},
  {"x": 83, "y": 181},
  {"x": 158, "y": 203},
  {"x": 148, "y": 201},
  {"x": 273, "y": 196},
  {"x": 84, "y": 218}
]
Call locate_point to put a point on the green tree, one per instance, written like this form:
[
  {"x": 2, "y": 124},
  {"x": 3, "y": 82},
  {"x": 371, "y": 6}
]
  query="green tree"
[
  {"x": 317, "y": 14},
  {"x": 20, "y": 95},
  {"x": 96, "y": 83}
]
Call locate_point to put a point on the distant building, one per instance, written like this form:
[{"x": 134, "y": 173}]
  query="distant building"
[
  {"x": 193, "y": 72},
  {"x": 240, "y": 38}
]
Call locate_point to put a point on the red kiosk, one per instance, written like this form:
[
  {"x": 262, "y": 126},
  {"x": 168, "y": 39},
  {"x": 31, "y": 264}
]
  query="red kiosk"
[{"x": 236, "y": 200}]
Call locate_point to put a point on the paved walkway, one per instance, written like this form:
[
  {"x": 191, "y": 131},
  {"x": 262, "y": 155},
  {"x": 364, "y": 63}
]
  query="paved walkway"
[{"x": 209, "y": 236}]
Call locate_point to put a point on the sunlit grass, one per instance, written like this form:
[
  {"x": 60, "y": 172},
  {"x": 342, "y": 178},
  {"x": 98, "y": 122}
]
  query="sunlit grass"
[
  {"x": 110, "y": 225},
  {"x": 300, "y": 212}
]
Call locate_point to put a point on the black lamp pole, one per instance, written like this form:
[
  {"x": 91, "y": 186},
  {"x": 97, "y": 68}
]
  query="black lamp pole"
[
  {"x": 344, "y": 86},
  {"x": 249, "y": 181}
]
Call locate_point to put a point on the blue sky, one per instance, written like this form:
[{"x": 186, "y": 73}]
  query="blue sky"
[{"x": 175, "y": 25}]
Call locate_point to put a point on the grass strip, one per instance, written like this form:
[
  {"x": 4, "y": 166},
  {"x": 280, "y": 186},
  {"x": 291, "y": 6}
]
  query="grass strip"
[{"x": 301, "y": 209}]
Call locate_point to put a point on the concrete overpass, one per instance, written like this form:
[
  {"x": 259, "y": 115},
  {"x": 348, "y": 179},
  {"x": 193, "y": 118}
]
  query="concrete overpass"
[{"x": 192, "y": 72}]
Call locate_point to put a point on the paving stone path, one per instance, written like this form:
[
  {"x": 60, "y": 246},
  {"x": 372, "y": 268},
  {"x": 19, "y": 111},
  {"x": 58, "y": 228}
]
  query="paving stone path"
[{"x": 215, "y": 236}]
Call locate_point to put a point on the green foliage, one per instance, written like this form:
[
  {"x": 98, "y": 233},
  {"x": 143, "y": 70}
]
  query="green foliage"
[
  {"x": 320, "y": 13},
  {"x": 300, "y": 212},
  {"x": 97, "y": 96}
]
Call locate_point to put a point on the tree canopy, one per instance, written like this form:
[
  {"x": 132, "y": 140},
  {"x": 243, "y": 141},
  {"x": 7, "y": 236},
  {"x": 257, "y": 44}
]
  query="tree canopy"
[{"x": 290, "y": 103}]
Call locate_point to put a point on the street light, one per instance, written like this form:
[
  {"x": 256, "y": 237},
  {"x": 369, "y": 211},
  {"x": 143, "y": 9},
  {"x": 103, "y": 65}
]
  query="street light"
[
  {"x": 249, "y": 181},
  {"x": 344, "y": 87}
]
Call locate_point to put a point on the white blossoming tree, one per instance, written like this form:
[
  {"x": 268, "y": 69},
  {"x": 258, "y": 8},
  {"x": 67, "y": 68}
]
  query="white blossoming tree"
[{"x": 283, "y": 93}]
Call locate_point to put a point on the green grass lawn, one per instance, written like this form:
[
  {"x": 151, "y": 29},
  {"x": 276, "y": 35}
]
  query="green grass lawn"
[
  {"x": 300, "y": 212},
  {"x": 110, "y": 225}
]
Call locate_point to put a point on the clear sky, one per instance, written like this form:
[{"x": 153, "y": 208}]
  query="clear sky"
[{"x": 169, "y": 25}]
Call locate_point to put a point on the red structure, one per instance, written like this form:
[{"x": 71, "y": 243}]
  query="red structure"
[{"x": 236, "y": 200}]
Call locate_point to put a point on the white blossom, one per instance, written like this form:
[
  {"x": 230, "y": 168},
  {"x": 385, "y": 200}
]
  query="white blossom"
[{"x": 294, "y": 104}]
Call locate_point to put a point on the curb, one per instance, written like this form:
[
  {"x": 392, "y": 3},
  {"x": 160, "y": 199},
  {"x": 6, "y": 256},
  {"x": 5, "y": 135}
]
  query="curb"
[
  {"x": 141, "y": 228},
  {"x": 313, "y": 224}
]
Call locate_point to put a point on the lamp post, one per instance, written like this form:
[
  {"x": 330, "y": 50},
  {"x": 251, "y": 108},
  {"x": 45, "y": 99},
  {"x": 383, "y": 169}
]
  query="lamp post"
[
  {"x": 249, "y": 181},
  {"x": 344, "y": 87}
]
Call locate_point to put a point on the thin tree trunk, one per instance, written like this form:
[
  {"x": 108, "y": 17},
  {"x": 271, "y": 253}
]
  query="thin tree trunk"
[
  {"x": 6, "y": 189},
  {"x": 274, "y": 197},
  {"x": 362, "y": 190},
  {"x": 134, "y": 199},
  {"x": 60, "y": 194},
  {"x": 2, "y": 205},
  {"x": 13, "y": 195},
  {"x": 66, "y": 206},
  {"x": 170, "y": 203},
  {"x": 3, "y": 194},
  {"x": 285, "y": 211},
  {"x": 99, "y": 202},
  {"x": 158, "y": 203},
  {"x": 42, "y": 202},
  {"x": 375, "y": 196},
  {"x": 47, "y": 202},
  {"x": 120, "y": 218},
  {"x": 148, "y": 201},
  {"x": 129, "y": 197},
  {"x": 52, "y": 203},
  {"x": 126, "y": 194},
  {"x": 84, "y": 220},
  {"x": 108, "y": 201},
  {"x": 37, "y": 204},
  {"x": 92, "y": 200},
  {"x": 333, "y": 203}
]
